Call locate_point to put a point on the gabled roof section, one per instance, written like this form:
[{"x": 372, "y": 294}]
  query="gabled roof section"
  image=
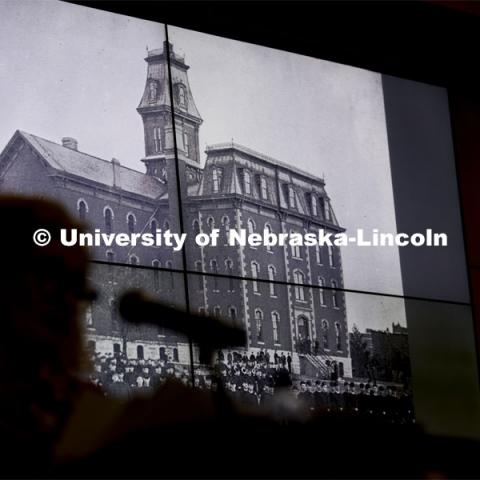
[{"x": 110, "y": 174}]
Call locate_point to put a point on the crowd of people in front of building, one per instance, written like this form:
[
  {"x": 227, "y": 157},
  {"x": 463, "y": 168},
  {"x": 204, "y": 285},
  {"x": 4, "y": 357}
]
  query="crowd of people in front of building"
[{"x": 252, "y": 379}]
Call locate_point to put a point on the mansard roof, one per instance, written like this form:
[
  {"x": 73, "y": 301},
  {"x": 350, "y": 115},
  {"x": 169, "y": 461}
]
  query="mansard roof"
[{"x": 79, "y": 164}]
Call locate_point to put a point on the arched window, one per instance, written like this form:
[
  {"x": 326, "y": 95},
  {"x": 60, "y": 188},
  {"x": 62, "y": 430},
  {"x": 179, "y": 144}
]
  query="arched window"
[
  {"x": 216, "y": 179},
  {"x": 337, "y": 336},
  {"x": 108, "y": 217},
  {"x": 250, "y": 226},
  {"x": 321, "y": 291},
  {"x": 196, "y": 227},
  {"x": 267, "y": 231},
  {"x": 131, "y": 221},
  {"x": 171, "y": 276},
  {"x": 140, "y": 352},
  {"x": 110, "y": 256},
  {"x": 275, "y": 325},
  {"x": 295, "y": 249},
  {"x": 186, "y": 144},
  {"x": 318, "y": 254},
  {"x": 211, "y": 223},
  {"x": 247, "y": 182},
  {"x": 314, "y": 205},
  {"x": 133, "y": 260},
  {"x": 331, "y": 256},
  {"x": 263, "y": 188},
  {"x": 325, "y": 334},
  {"x": 255, "y": 272},
  {"x": 175, "y": 354},
  {"x": 259, "y": 324},
  {"x": 88, "y": 316},
  {"x": 153, "y": 227},
  {"x": 271, "y": 277},
  {"x": 334, "y": 294},
  {"x": 216, "y": 311},
  {"x": 321, "y": 202},
  {"x": 299, "y": 278},
  {"x": 229, "y": 269},
  {"x": 181, "y": 95},
  {"x": 198, "y": 268},
  {"x": 226, "y": 223},
  {"x": 232, "y": 312},
  {"x": 82, "y": 209},
  {"x": 214, "y": 269},
  {"x": 156, "y": 274}
]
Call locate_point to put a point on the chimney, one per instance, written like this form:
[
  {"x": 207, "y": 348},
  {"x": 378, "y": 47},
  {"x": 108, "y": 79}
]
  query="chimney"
[{"x": 70, "y": 143}]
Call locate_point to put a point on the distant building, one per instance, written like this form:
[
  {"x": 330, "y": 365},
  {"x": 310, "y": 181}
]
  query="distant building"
[{"x": 236, "y": 188}]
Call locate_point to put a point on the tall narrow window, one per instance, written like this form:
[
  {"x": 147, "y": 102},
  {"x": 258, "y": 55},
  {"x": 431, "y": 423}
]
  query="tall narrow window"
[
  {"x": 299, "y": 278},
  {"x": 170, "y": 275},
  {"x": 198, "y": 268},
  {"x": 181, "y": 95},
  {"x": 325, "y": 334},
  {"x": 314, "y": 205},
  {"x": 157, "y": 142},
  {"x": 263, "y": 188},
  {"x": 337, "y": 336},
  {"x": 250, "y": 226},
  {"x": 229, "y": 268},
  {"x": 295, "y": 249},
  {"x": 331, "y": 256},
  {"x": 210, "y": 223},
  {"x": 196, "y": 227},
  {"x": 133, "y": 260},
  {"x": 153, "y": 227},
  {"x": 321, "y": 291},
  {"x": 88, "y": 316},
  {"x": 259, "y": 324},
  {"x": 226, "y": 223},
  {"x": 271, "y": 277},
  {"x": 247, "y": 182},
  {"x": 291, "y": 197},
  {"x": 268, "y": 231},
  {"x": 216, "y": 311},
  {"x": 156, "y": 274},
  {"x": 232, "y": 312},
  {"x": 108, "y": 216},
  {"x": 255, "y": 272},
  {"x": 82, "y": 210},
  {"x": 131, "y": 223},
  {"x": 217, "y": 180},
  {"x": 140, "y": 352},
  {"x": 214, "y": 268},
  {"x": 334, "y": 294},
  {"x": 318, "y": 254},
  {"x": 321, "y": 202},
  {"x": 275, "y": 325},
  {"x": 166, "y": 225},
  {"x": 186, "y": 144}
]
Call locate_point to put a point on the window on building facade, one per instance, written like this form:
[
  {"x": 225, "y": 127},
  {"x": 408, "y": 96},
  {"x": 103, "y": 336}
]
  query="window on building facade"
[
  {"x": 217, "y": 179},
  {"x": 325, "y": 334},
  {"x": 232, "y": 312},
  {"x": 255, "y": 273},
  {"x": 247, "y": 182},
  {"x": 259, "y": 324},
  {"x": 271, "y": 277},
  {"x": 140, "y": 352},
  {"x": 171, "y": 277},
  {"x": 318, "y": 254},
  {"x": 88, "y": 316},
  {"x": 229, "y": 269},
  {"x": 133, "y": 260},
  {"x": 331, "y": 256},
  {"x": 321, "y": 203},
  {"x": 156, "y": 274},
  {"x": 157, "y": 141},
  {"x": 276, "y": 325},
  {"x": 295, "y": 249},
  {"x": 321, "y": 291},
  {"x": 250, "y": 226},
  {"x": 216, "y": 311},
  {"x": 263, "y": 188},
  {"x": 291, "y": 197},
  {"x": 211, "y": 223},
  {"x": 182, "y": 96},
  {"x": 337, "y": 336},
  {"x": 314, "y": 205},
  {"x": 110, "y": 256},
  {"x": 196, "y": 227},
  {"x": 299, "y": 278},
  {"x": 198, "y": 268},
  {"x": 334, "y": 294},
  {"x": 268, "y": 230},
  {"x": 214, "y": 269},
  {"x": 166, "y": 225},
  {"x": 186, "y": 144},
  {"x": 153, "y": 227},
  {"x": 82, "y": 209},
  {"x": 226, "y": 223},
  {"x": 131, "y": 221},
  {"x": 201, "y": 311},
  {"x": 108, "y": 216}
]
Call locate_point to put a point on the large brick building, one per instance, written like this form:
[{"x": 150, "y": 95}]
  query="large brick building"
[{"x": 236, "y": 188}]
